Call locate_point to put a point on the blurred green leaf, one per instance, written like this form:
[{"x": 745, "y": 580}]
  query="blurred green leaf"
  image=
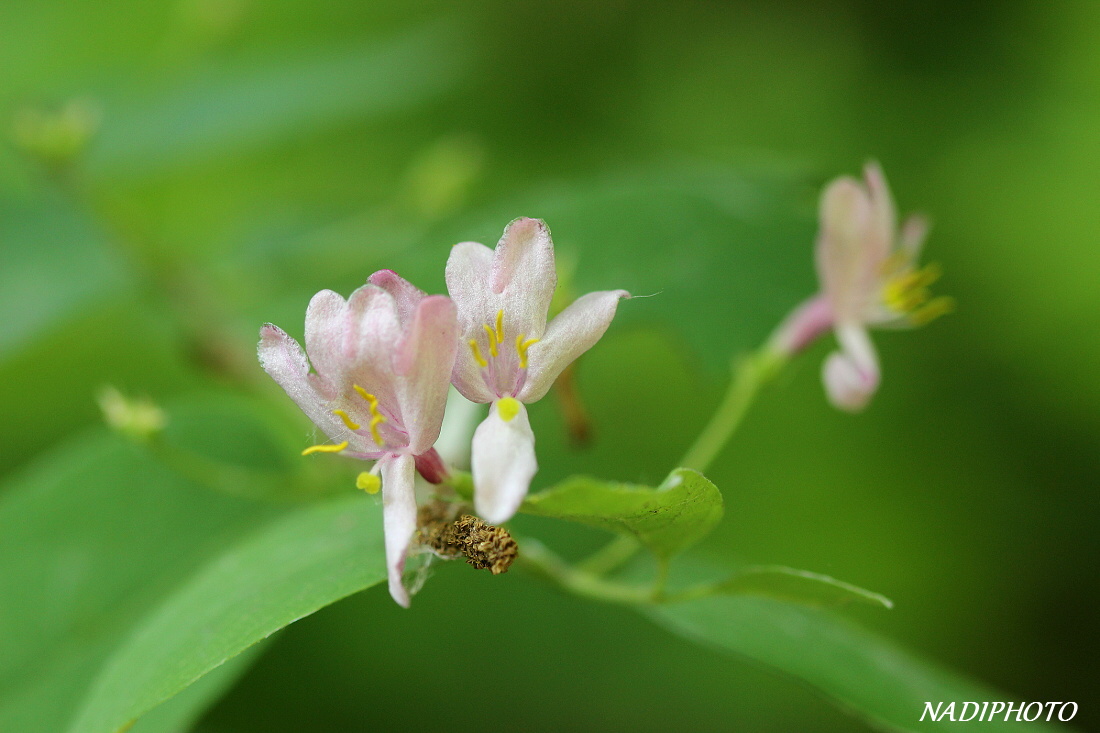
[
  {"x": 667, "y": 520},
  {"x": 283, "y": 572},
  {"x": 255, "y": 103},
  {"x": 92, "y": 537},
  {"x": 798, "y": 586},
  {"x": 860, "y": 670}
]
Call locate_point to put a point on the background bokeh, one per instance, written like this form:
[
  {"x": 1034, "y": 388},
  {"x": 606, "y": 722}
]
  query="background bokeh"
[{"x": 173, "y": 174}]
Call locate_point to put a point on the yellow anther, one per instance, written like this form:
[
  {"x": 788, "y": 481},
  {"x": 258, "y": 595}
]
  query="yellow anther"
[
  {"x": 477, "y": 354},
  {"x": 492, "y": 339},
  {"x": 347, "y": 420},
  {"x": 325, "y": 448},
  {"x": 522, "y": 347},
  {"x": 500, "y": 326},
  {"x": 368, "y": 482},
  {"x": 376, "y": 417},
  {"x": 508, "y": 408}
]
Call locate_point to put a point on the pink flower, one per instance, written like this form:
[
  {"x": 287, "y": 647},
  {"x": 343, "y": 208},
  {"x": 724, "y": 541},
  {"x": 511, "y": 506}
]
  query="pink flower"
[
  {"x": 509, "y": 355},
  {"x": 378, "y": 391},
  {"x": 869, "y": 278}
]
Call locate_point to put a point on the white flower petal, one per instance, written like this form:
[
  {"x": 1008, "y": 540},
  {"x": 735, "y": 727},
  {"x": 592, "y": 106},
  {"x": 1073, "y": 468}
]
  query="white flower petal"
[
  {"x": 282, "y": 358},
  {"x": 374, "y": 332},
  {"x": 574, "y": 331},
  {"x": 503, "y": 463},
  {"x": 399, "y": 518},
  {"x": 524, "y": 276},
  {"x": 851, "y": 375},
  {"x": 468, "y": 268},
  {"x": 327, "y": 334}
]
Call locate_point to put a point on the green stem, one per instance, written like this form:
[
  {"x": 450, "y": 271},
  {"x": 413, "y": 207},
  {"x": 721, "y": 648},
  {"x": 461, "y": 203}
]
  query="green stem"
[
  {"x": 750, "y": 374},
  {"x": 611, "y": 556},
  {"x": 538, "y": 558}
]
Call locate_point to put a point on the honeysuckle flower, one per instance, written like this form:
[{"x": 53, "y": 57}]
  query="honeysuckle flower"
[
  {"x": 378, "y": 391},
  {"x": 509, "y": 355},
  {"x": 868, "y": 274}
]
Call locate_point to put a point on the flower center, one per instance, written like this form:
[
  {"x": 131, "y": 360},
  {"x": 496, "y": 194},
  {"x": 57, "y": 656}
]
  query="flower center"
[
  {"x": 503, "y": 367},
  {"x": 906, "y": 292}
]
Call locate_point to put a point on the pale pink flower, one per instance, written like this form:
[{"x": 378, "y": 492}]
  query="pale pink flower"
[
  {"x": 869, "y": 277},
  {"x": 378, "y": 391},
  {"x": 509, "y": 355}
]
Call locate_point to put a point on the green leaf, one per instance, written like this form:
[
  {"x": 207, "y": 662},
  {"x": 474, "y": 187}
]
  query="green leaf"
[
  {"x": 92, "y": 537},
  {"x": 668, "y": 519},
  {"x": 798, "y": 586},
  {"x": 284, "y": 571},
  {"x": 182, "y": 711},
  {"x": 858, "y": 669}
]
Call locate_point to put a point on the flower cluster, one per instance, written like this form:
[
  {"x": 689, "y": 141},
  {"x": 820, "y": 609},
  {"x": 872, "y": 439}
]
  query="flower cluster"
[{"x": 384, "y": 358}]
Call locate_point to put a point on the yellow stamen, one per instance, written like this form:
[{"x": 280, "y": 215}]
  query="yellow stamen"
[
  {"x": 937, "y": 307},
  {"x": 347, "y": 420},
  {"x": 377, "y": 418},
  {"x": 908, "y": 290},
  {"x": 508, "y": 408},
  {"x": 492, "y": 339},
  {"x": 500, "y": 326},
  {"x": 522, "y": 347},
  {"x": 368, "y": 482},
  {"x": 477, "y": 354},
  {"x": 325, "y": 448}
]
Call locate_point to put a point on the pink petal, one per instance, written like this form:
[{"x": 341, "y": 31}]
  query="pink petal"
[
  {"x": 399, "y": 518},
  {"x": 851, "y": 375},
  {"x": 423, "y": 362},
  {"x": 282, "y": 358},
  {"x": 913, "y": 232},
  {"x": 574, "y": 331},
  {"x": 374, "y": 333},
  {"x": 503, "y": 464},
  {"x": 407, "y": 295}
]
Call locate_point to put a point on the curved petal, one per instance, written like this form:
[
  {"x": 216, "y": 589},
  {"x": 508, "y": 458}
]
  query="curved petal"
[
  {"x": 282, "y": 358},
  {"x": 524, "y": 276},
  {"x": 423, "y": 361},
  {"x": 843, "y": 259},
  {"x": 851, "y": 375},
  {"x": 884, "y": 217},
  {"x": 407, "y": 295},
  {"x": 326, "y": 334},
  {"x": 503, "y": 463},
  {"x": 399, "y": 518},
  {"x": 468, "y": 268},
  {"x": 574, "y": 331},
  {"x": 913, "y": 232},
  {"x": 374, "y": 333}
]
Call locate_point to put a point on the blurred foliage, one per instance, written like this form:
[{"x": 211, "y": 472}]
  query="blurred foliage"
[{"x": 175, "y": 173}]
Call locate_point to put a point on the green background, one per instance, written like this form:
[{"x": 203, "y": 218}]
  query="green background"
[{"x": 250, "y": 153}]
